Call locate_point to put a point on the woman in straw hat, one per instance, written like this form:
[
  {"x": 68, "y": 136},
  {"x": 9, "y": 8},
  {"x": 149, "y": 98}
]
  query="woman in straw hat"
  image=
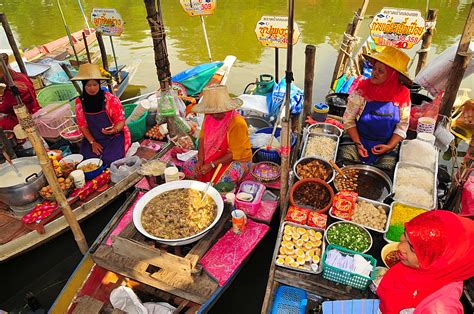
[
  {"x": 223, "y": 139},
  {"x": 378, "y": 110},
  {"x": 100, "y": 117},
  {"x": 8, "y": 118}
]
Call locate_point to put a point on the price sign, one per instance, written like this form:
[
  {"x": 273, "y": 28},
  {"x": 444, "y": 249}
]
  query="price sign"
[
  {"x": 198, "y": 7},
  {"x": 108, "y": 21},
  {"x": 272, "y": 31},
  {"x": 400, "y": 28}
]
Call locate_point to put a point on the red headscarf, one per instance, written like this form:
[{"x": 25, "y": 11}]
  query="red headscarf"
[
  {"x": 390, "y": 90},
  {"x": 444, "y": 245},
  {"x": 215, "y": 133}
]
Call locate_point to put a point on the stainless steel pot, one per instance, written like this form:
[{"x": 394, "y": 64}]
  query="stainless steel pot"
[{"x": 23, "y": 193}]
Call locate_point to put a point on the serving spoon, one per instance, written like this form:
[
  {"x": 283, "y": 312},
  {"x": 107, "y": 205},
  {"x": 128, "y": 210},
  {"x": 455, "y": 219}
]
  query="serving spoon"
[{"x": 218, "y": 168}]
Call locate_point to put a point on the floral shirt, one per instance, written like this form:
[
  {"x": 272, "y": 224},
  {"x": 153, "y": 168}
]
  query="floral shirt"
[
  {"x": 113, "y": 108},
  {"x": 356, "y": 104}
]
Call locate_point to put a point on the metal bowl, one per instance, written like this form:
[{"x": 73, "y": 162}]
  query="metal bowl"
[
  {"x": 183, "y": 184},
  {"x": 305, "y": 160},
  {"x": 325, "y": 128},
  {"x": 349, "y": 223},
  {"x": 384, "y": 184}
]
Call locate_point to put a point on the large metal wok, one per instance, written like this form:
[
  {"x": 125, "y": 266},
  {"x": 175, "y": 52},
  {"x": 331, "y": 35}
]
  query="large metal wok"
[{"x": 137, "y": 212}]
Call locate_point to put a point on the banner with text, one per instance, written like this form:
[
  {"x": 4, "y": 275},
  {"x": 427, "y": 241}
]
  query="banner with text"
[
  {"x": 272, "y": 31},
  {"x": 108, "y": 21}
]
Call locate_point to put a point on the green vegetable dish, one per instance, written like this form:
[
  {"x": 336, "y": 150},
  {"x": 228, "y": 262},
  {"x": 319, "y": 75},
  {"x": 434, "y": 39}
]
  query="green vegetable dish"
[{"x": 349, "y": 236}]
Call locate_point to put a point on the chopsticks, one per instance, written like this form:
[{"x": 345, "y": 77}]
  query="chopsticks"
[{"x": 218, "y": 168}]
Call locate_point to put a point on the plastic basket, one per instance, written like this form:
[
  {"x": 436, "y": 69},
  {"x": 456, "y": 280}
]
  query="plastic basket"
[
  {"x": 57, "y": 92},
  {"x": 289, "y": 300},
  {"x": 272, "y": 155},
  {"x": 342, "y": 276},
  {"x": 137, "y": 127},
  {"x": 73, "y": 138},
  {"x": 51, "y": 121}
]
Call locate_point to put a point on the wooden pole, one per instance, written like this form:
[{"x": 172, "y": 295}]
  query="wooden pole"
[
  {"x": 427, "y": 36},
  {"x": 69, "y": 74},
  {"x": 12, "y": 42},
  {"x": 348, "y": 42},
  {"x": 277, "y": 60},
  {"x": 86, "y": 45},
  {"x": 29, "y": 126},
  {"x": 103, "y": 54},
  {"x": 158, "y": 35},
  {"x": 461, "y": 61},
  {"x": 310, "y": 53}
]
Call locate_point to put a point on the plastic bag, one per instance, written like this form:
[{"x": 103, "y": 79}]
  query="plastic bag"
[
  {"x": 467, "y": 198},
  {"x": 278, "y": 97},
  {"x": 426, "y": 109},
  {"x": 121, "y": 168},
  {"x": 169, "y": 104}
]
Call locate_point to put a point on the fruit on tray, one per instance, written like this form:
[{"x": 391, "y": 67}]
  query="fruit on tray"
[
  {"x": 155, "y": 133},
  {"x": 65, "y": 185}
]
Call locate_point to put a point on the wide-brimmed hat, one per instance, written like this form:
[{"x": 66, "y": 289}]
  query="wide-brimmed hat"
[
  {"x": 216, "y": 99},
  {"x": 394, "y": 58},
  {"x": 89, "y": 71}
]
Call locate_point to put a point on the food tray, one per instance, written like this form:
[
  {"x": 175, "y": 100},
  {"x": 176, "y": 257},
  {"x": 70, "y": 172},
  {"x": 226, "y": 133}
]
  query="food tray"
[
  {"x": 389, "y": 220},
  {"x": 334, "y": 137},
  {"x": 402, "y": 148},
  {"x": 327, "y": 128},
  {"x": 371, "y": 169},
  {"x": 388, "y": 211},
  {"x": 434, "y": 192},
  {"x": 349, "y": 222},
  {"x": 280, "y": 237},
  {"x": 328, "y": 165}
]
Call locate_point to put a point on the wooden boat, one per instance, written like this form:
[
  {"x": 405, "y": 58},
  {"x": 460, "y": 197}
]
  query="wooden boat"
[{"x": 81, "y": 210}]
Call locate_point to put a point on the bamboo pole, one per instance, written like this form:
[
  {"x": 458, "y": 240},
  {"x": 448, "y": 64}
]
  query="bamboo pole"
[
  {"x": 348, "y": 41},
  {"x": 310, "y": 53},
  {"x": 69, "y": 74},
  {"x": 68, "y": 32},
  {"x": 158, "y": 35},
  {"x": 277, "y": 70},
  {"x": 461, "y": 61},
  {"x": 12, "y": 42},
  {"x": 86, "y": 45},
  {"x": 427, "y": 36},
  {"x": 29, "y": 126},
  {"x": 103, "y": 54},
  {"x": 285, "y": 125}
]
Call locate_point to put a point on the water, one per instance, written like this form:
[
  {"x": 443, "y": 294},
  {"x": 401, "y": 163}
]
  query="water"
[{"x": 230, "y": 31}]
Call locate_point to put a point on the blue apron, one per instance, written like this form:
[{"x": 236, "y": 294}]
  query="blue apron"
[
  {"x": 113, "y": 145},
  {"x": 376, "y": 126}
]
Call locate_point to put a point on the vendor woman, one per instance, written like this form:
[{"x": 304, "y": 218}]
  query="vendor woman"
[
  {"x": 100, "y": 117},
  {"x": 223, "y": 139},
  {"x": 378, "y": 110}
]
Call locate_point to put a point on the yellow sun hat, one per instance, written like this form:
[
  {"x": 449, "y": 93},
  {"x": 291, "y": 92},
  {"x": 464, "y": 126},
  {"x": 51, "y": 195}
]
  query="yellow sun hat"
[
  {"x": 394, "y": 58},
  {"x": 89, "y": 71}
]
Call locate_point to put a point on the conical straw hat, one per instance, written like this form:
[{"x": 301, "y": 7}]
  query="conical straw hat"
[
  {"x": 216, "y": 99},
  {"x": 89, "y": 71},
  {"x": 394, "y": 58}
]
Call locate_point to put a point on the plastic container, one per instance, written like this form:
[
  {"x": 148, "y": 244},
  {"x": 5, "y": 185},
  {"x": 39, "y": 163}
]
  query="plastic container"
[
  {"x": 55, "y": 93},
  {"x": 289, "y": 300},
  {"x": 72, "y": 134},
  {"x": 121, "y": 168},
  {"x": 426, "y": 137},
  {"x": 347, "y": 278},
  {"x": 137, "y": 127},
  {"x": 272, "y": 155},
  {"x": 319, "y": 112},
  {"x": 256, "y": 190},
  {"x": 426, "y": 125},
  {"x": 317, "y": 181},
  {"x": 390, "y": 247},
  {"x": 337, "y": 103}
]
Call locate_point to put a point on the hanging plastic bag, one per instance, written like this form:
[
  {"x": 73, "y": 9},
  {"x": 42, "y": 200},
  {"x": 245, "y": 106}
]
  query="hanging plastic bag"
[
  {"x": 426, "y": 110},
  {"x": 278, "y": 97},
  {"x": 170, "y": 105}
]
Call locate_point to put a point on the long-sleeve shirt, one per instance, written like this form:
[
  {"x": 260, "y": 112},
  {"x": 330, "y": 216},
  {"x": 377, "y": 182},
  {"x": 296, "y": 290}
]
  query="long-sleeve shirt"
[{"x": 356, "y": 104}]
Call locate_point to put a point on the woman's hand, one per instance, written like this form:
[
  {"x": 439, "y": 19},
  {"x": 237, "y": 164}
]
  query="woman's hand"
[
  {"x": 362, "y": 151},
  {"x": 206, "y": 168},
  {"x": 110, "y": 130},
  {"x": 381, "y": 149},
  {"x": 97, "y": 148},
  {"x": 198, "y": 167}
]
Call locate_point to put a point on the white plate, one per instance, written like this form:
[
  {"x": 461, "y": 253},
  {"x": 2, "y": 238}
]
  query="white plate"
[
  {"x": 73, "y": 158},
  {"x": 183, "y": 184}
]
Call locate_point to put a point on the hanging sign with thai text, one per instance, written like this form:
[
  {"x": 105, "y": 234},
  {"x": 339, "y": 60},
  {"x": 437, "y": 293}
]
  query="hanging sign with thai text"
[
  {"x": 199, "y": 7},
  {"x": 272, "y": 31},
  {"x": 108, "y": 21},
  {"x": 400, "y": 28}
]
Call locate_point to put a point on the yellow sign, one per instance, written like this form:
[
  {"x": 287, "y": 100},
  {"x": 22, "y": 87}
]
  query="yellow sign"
[
  {"x": 108, "y": 21},
  {"x": 199, "y": 7},
  {"x": 400, "y": 28},
  {"x": 272, "y": 31}
]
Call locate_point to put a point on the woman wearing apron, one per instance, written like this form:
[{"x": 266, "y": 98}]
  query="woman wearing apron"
[
  {"x": 378, "y": 111},
  {"x": 223, "y": 139},
  {"x": 101, "y": 118}
]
